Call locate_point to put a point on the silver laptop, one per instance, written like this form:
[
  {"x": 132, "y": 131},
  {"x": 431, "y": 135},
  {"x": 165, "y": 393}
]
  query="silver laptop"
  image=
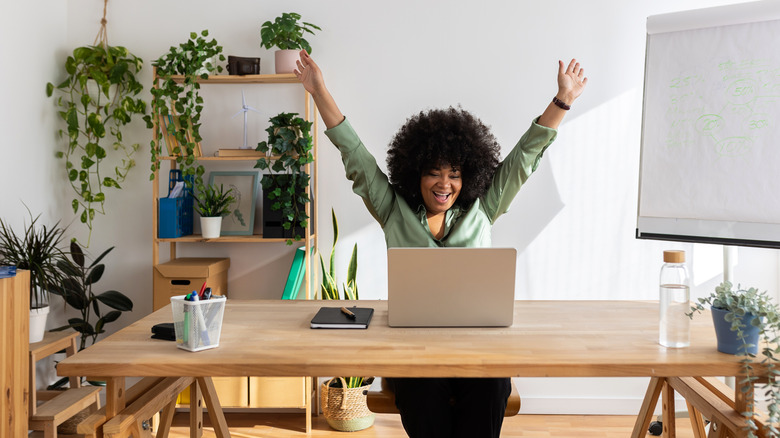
[{"x": 451, "y": 287}]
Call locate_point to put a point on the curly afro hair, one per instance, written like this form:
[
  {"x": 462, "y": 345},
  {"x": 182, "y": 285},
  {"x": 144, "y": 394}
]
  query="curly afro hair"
[{"x": 439, "y": 137}]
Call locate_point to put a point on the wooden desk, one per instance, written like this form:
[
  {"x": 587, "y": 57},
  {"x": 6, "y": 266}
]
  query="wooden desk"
[{"x": 548, "y": 339}]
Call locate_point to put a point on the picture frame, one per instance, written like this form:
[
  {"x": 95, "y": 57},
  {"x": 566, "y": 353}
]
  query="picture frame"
[{"x": 244, "y": 183}]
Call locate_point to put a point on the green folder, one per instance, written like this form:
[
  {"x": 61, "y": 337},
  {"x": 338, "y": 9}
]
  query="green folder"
[{"x": 295, "y": 277}]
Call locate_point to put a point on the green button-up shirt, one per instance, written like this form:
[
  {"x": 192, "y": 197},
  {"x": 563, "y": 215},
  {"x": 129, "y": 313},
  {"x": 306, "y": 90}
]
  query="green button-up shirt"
[{"x": 407, "y": 226}]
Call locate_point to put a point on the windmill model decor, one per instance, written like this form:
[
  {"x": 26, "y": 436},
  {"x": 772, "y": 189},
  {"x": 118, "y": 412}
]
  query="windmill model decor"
[{"x": 244, "y": 109}]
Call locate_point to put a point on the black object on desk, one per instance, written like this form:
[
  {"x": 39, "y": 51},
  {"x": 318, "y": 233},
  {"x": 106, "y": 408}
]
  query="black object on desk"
[
  {"x": 164, "y": 331},
  {"x": 336, "y": 318}
]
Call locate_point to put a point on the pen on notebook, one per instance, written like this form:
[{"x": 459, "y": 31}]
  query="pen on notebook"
[{"x": 347, "y": 312}]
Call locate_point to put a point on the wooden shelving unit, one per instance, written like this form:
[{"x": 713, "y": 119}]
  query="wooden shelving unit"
[
  {"x": 292, "y": 393},
  {"x": 311, "y": 208}
]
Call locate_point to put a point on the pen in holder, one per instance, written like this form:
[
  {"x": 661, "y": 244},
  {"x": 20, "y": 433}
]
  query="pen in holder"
[{"x": 197, "y": 323}]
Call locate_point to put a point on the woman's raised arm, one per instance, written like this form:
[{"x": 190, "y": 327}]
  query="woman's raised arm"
[
  {"x": 571, "y": 82},
  {"x": 310, "y": 76}
]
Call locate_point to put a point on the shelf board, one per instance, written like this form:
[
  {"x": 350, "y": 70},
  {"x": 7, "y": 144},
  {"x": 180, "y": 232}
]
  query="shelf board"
[
  {"x": 228, "y": 158},
  {"x": 288, "y": 78},
  {"x": 212, "y": 158},
  {"x": 226, "y": 239}
]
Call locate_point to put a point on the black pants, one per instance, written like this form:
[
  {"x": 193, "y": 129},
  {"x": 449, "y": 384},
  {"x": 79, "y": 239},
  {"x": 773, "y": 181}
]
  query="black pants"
[{"x": 447, "y": 408}]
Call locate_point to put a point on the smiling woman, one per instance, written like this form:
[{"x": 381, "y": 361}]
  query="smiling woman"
[
  {"x": 440, "y": 188},
  {"x": 446, "y": 187}
]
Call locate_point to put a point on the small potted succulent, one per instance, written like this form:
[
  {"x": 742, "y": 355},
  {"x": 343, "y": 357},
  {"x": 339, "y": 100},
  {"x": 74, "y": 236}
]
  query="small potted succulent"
[
  {"x": 286, "y": 34},
  {"x": 746, "y": 322},
  {"x": 213, "y": 203}
]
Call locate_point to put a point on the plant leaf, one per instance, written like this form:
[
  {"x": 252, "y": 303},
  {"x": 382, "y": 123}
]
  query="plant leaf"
[{"x": 116, "y": 300}]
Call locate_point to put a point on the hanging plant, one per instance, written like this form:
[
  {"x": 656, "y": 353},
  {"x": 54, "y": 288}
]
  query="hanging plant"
[
  {"x": 290, "y": 144},
  {"x": 179, "y": 101},
  {"x": 98, "y": 98}
]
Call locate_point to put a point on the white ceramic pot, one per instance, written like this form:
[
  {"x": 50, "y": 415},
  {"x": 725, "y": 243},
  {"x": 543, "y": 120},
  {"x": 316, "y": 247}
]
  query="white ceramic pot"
[
  {"x": 210, "y": 227},
  {"x": 284, "y": 61},
  {"x": 38, "y": 323}
]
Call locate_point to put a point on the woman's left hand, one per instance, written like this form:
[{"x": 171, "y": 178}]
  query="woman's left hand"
[{"x": 571, "y": 81}]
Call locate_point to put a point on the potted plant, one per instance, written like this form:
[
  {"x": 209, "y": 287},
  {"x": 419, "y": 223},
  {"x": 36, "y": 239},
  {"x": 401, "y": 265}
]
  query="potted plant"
[
  {"x": 37, "y": 250},
  {"x": 98, "y": 98},
  {"x": 747, "y": 321},
  {"x": 286, "y": 33},
  {"x": 285, "y": 189},
  {"x": 178, "y": 100},
  {"x": 354, "y": 414},
  {"x": 213, "y": 204},
  {"x": 76, "y": 290}
]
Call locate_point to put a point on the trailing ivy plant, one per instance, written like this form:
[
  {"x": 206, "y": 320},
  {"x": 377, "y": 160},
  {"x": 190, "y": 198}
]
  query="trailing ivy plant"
[
  {"x": 97, "y": 99},
  {"x": 290, "y": 144},
  {"x": 180, "y": 98}
]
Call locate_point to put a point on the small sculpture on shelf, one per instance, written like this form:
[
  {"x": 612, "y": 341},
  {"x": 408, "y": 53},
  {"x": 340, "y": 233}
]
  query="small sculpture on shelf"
[{"x": 244, "y": 109}]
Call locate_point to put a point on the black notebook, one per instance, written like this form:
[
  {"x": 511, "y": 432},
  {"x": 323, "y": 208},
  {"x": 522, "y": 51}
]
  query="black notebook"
[{"x": 336, "y": 318}]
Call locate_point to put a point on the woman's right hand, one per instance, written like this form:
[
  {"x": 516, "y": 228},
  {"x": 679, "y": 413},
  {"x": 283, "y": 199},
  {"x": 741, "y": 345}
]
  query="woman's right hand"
[
  {"x": 311, "y": 77},
  {"x": 309, "y": 74}
]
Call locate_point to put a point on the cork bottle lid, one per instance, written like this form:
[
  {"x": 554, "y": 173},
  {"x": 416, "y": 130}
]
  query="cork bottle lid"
[{"x": 674, "y": 256}]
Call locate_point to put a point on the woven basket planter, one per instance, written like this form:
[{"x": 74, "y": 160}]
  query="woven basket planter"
[{"x": 345, "y": 408}]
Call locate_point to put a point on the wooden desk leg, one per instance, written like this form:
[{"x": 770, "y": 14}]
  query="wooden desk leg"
[
  {"x": 196, "y": 411},
  {"x": 697, "y": 422},
  {"x": 216, "y": 415},
  {"x": 667, "y": 410},
  {"x": 166, "y": 419},
  {"x": 716, "y": 431},
  {"x": 75, "y": 381},
  {"x": 307, "y": 400},
  {"x": 115, "y": 396},
  {"x": 648, "y": 406}
]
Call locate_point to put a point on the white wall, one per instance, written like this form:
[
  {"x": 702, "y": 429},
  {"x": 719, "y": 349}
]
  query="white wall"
[{"x": 383, "y": 62}]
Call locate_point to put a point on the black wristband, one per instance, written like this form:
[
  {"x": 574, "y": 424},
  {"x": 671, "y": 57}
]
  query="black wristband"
[{"x": 561, "y": 104}]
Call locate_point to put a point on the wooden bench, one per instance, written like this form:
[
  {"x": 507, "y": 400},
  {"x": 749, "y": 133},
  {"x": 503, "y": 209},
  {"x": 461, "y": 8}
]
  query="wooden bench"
[
  {"x": 382, "y": 401},
  {"x": 57, "y": 406},
  {"x": 92, "y": 426}
]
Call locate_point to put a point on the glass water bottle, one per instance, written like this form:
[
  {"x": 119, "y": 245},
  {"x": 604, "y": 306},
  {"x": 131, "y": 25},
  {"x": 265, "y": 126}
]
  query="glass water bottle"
[{"x": 674, "y": 329}]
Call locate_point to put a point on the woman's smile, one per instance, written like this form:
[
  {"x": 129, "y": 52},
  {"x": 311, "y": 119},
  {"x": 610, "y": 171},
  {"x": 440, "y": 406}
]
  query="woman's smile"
[{"x": 440, "y": 187}]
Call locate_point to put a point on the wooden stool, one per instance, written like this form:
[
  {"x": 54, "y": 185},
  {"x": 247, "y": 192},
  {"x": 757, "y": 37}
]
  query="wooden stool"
[
  {"x": 383, "y": 401},
  {"x": 57, "y": 406}
]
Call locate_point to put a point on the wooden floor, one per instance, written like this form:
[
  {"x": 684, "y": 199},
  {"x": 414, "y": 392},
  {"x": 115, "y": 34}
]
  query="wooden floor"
[{"x": 389, "y": 426}]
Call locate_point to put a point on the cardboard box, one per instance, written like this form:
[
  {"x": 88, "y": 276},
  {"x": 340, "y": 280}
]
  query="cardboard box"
[
  {"x": 183, "y": 275},
  {"x": 277, "y": 392},
  {"x": 233, "y": 392}
]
